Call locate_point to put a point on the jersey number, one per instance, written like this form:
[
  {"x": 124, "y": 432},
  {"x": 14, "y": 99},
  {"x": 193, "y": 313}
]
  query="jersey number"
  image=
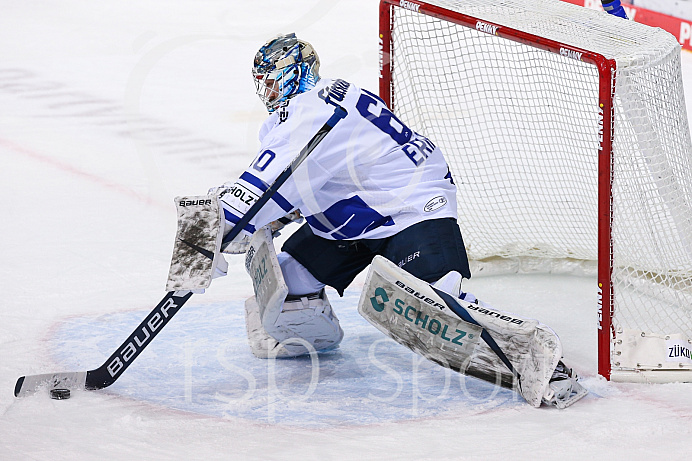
[
  {"x": 375, "y": 110},
  {"x": 264, "y": 160}
]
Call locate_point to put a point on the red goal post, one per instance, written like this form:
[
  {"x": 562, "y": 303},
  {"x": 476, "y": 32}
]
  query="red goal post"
[{"x": 446, "y": 33}]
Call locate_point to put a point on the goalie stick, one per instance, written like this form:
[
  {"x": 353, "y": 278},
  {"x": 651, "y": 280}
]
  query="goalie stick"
[
  {"x": 117, "y": 363},
  {"x": 106, "y": 374}
]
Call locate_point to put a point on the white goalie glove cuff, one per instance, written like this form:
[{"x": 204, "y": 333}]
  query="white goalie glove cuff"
[{"x": 236, "y": 199}]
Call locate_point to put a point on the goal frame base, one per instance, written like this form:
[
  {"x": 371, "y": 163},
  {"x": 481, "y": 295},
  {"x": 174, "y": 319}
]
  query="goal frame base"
[{"x": 651, "y": 376}]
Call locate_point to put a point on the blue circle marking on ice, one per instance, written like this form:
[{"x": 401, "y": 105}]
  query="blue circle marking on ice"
[{"x": 201, "y": 363}]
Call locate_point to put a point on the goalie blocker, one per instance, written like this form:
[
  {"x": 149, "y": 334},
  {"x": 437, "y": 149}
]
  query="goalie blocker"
[
  {"x": 475, "y": 340},
  {"x": 197, "y": 257}
]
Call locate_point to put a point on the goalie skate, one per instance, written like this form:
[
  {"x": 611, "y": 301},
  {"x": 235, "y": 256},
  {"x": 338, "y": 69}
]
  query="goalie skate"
[{"x": 563, "y": 389}]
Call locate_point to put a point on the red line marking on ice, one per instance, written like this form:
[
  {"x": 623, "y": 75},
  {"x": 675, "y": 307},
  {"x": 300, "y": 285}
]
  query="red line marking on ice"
[{"x": 79, "y": 173}]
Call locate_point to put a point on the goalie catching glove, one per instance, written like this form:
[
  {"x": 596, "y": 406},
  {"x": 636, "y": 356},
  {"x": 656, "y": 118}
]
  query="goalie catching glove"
[{"x": 235, "y": 199}]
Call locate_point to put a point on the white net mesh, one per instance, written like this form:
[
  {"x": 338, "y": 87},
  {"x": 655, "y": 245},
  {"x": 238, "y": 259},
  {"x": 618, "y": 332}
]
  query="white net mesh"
[{"x": 519, "y": 127}]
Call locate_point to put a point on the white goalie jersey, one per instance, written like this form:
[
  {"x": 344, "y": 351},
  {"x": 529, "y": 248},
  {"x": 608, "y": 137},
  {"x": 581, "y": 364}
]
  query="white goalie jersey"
[{"x": 370, "y": 177}]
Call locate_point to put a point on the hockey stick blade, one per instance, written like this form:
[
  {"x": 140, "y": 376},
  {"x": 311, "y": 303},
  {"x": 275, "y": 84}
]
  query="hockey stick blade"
[
  {"x": 117, "y": 363},
  {"x": 27, "y": 385}
]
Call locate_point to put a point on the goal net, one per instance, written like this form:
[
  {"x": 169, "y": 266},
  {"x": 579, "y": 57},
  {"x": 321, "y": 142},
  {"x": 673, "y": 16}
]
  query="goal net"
[{"x": 566, "y": 132}]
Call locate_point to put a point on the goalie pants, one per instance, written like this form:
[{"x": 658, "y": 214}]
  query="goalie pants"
[{"x": 427, "y": 250}]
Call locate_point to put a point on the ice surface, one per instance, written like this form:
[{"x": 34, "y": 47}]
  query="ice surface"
[{"x": 108, "y": 110}]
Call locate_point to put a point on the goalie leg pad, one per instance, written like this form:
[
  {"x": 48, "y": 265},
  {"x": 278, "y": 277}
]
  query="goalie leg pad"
[
  {"x": 279, "y": 325},
  {"x": 302, "y": 325},
  {"x": 518, "y": 335},
  {"x": 411, "y": 312}
]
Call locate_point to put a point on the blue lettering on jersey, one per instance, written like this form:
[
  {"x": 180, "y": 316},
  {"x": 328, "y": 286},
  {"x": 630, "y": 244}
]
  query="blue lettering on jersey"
[
  {"x": 418, "y": 150},
  {"x": 348, "y": 218},
  {"x": 263, "y": 161},
  {"x": 375, "y": 110},
  {"x": 449, "y": 175},
  {"x": 283, "y": 114},
  {"x": 335, "y": 92}
]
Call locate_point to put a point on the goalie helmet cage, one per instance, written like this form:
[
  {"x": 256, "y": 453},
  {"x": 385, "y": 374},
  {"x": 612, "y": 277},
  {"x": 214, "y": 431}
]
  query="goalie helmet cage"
[{"x": 566, "y": 132}]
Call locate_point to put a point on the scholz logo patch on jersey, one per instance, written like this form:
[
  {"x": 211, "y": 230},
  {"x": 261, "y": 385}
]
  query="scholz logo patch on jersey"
[{"x": 435, "y": 204}]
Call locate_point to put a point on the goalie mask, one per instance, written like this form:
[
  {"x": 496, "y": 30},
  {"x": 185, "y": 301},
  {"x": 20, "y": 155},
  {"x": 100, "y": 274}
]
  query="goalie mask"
[{"x": 283, "y": 68}]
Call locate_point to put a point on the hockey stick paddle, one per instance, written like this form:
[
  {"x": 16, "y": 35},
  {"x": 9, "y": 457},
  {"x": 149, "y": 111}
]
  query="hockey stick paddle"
[{"x": 117, "y": 363}]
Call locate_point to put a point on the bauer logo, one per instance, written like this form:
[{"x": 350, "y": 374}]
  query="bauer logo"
[
  {"x": 186, "y": 203},
  {"x": 140, "y": 338},
  {"x": 248, "y": 257},
  {"x": 435, "y": 204},
  {"x": 572, "y": 54},
  {"x": 487, "y": 28},
  {"x": 417, "y": 294},
  {"x": 492, "y": 313},
  {"x": 409, "y": 5}
]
